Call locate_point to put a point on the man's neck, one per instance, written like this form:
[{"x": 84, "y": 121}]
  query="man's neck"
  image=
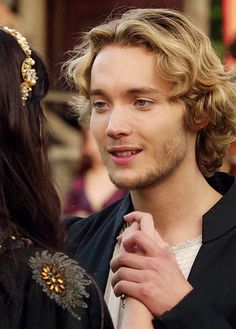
[{"x": 177, "y": 205}]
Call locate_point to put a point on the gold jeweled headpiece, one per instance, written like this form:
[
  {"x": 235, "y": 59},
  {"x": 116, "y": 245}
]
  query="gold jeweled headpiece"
[{"x": 28, "y": 73}]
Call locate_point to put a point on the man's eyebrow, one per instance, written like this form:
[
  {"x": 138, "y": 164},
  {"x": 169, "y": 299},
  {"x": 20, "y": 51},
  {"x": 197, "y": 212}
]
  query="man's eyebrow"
[
  {"x": 144, "y": 90},
  {"x": 96, "y": 92}
]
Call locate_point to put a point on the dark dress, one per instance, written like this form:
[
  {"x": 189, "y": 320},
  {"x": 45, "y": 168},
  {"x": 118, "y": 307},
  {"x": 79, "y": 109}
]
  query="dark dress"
[{"x": 42, "y": 290}]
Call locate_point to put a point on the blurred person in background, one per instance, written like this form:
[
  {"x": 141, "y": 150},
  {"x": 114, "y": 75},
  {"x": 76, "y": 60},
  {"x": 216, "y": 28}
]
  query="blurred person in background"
[
  {"x": 40, "y": 287},
  {"x": 91, "y": 190},
  {"x": 231, "y": 58},
  {"x": 162, "y": 109}
]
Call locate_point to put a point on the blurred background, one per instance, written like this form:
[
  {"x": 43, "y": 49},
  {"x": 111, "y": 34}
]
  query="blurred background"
[{"x": 52, "y": 28}]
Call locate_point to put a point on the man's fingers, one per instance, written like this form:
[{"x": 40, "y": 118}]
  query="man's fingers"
[
  {"x": 144, "y": 219},
  {"x": 146, "y": 225},
  {"x": 146, "y": 248},
  {"x": 126, "y": 259},
  {"x": 143, "y": 243},
  {"x": 127, "y": 288},
  {"x": 127, "y": 232},
  {"x": 127, "y": 274}
]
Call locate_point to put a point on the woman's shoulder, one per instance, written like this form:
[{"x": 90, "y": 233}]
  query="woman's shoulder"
[
  {"x": 47, "y": 288},
  {"x": 61, "y": 278}
]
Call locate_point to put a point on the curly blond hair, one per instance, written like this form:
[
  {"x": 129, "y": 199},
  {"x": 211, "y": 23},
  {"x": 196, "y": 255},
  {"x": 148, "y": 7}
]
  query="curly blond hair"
[{"x": 185, "y": 58}]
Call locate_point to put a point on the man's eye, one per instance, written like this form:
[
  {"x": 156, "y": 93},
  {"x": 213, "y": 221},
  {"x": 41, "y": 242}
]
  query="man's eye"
[
  {"x": 100, "y": 105},
  {"x": 143, "y": 102}
]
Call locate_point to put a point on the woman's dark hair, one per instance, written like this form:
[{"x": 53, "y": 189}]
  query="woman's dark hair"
[{"x": 29, "y": 204}]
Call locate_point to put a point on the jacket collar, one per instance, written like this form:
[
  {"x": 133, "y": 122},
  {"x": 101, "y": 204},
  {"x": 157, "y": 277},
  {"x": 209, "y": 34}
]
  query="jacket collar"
[
  {"x": 220, "y": 219},
  {"x": 126, "y": 207}
]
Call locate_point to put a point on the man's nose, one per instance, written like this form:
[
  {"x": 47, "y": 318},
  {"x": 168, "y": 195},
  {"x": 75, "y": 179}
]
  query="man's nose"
[{"x": 119, "y": 124}]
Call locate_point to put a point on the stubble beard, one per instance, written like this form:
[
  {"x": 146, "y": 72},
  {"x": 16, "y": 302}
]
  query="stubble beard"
[{"x": 167, "y": 161}]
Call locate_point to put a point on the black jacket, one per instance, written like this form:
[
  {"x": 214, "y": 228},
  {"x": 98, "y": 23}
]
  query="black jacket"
[{"x": 212, "y": 303}]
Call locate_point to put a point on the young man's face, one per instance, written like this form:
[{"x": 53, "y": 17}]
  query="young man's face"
[{"x": 140, "y": 134}]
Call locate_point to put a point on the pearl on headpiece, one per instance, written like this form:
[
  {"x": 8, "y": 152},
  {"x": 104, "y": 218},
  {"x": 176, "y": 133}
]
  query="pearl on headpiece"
[{"x": 29, "y": 74}]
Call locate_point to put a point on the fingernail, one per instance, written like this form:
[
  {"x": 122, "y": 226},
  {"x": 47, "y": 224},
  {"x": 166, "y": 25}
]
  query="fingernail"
[{"x": 119, "y": 238}]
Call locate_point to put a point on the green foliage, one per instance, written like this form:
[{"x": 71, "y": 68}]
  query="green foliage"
[{"x": 216, "y": 34}]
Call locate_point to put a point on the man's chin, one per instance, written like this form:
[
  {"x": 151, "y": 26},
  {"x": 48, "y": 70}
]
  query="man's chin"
[
  {"x": 124, "y": 183},
  {"x": 128, "y": 184},
  {"x": 139, "y": 183}
]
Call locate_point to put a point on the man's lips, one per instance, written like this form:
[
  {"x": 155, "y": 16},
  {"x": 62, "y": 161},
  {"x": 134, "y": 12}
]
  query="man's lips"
[{"x": 123, "y": 151}]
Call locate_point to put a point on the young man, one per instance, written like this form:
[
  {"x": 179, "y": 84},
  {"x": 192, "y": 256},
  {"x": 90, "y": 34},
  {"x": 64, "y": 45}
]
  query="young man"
[{"x": 162, "y": 110}]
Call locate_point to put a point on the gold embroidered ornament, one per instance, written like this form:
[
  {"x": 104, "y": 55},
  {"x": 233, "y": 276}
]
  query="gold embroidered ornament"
[
  {"x": 53, "y": 279},
  {"x": 62, "y": 279},
  {"x": 28, "y": 73}
]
